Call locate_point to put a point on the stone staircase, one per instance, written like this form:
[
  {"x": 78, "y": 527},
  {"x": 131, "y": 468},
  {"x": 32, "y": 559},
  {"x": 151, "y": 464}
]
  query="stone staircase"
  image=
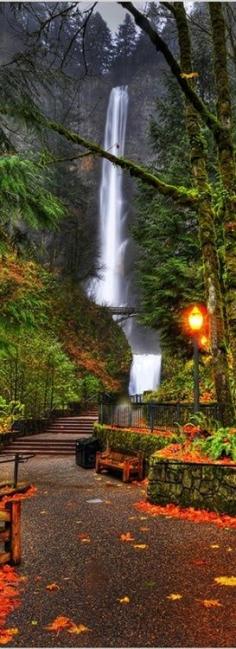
[{"x": 58, "y": 439}]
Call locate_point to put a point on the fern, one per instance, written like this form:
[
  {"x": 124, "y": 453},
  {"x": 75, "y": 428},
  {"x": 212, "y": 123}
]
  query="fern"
[
  {"x": 24, "y": 196},
  {"x": 221, "y": 443}
]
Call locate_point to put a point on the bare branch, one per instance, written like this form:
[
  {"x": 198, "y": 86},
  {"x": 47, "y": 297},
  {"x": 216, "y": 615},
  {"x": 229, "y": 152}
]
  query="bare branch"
[{"x": 209, "y": 118}]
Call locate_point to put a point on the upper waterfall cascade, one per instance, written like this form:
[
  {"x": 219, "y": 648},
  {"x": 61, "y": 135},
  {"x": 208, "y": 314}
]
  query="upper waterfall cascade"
[
  {"x": 113, "y": 287},
  {"x": 110, "y": 288}
]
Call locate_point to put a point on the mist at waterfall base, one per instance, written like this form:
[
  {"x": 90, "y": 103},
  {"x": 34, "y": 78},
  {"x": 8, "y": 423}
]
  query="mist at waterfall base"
[{"x": 114, "y": 287}]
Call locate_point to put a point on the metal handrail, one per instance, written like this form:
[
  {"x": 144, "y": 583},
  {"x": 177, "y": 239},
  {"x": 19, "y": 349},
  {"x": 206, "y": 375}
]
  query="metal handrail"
[{"x": 17, "y": 459}]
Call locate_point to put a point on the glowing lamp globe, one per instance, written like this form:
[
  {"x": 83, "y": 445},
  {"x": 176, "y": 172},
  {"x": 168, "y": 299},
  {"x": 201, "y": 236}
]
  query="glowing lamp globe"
[{"x": 195, "y": 319}]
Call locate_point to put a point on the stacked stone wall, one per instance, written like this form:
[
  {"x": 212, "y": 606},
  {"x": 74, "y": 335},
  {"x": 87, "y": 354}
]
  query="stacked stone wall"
[{"x": 204, "y": 486}]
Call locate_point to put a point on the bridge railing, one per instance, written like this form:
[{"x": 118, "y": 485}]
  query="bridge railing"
[{"x": 154, "y": 415}]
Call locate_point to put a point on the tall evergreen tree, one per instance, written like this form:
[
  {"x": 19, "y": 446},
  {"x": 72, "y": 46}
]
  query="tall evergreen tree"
[{"x": 126, "y": 40}]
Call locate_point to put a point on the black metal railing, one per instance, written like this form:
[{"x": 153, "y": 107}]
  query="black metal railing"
[
  {"x": 17, "y": 459},
  {"x": 154, "y": 415}
]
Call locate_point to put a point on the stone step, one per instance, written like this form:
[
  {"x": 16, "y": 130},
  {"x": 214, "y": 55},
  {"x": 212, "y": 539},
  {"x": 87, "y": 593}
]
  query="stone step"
[
  {"x": 39, "y": 443},
  {"x": 41, "y": 451},
  {"x": 68, "y": 429},
  {"x": 75, "y": 419}
]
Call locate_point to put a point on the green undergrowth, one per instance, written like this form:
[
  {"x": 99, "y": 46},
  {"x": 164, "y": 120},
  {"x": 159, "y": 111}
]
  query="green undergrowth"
[
  {"x": 56, "y": 345},
  {"x": 222, "y": 443}
]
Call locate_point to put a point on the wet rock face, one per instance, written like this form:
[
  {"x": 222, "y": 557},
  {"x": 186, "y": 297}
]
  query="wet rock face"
[{"x": 211, "y": 487}]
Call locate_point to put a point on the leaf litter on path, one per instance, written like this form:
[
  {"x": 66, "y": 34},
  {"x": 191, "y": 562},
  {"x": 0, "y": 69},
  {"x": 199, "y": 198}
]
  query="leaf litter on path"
[
  {"x": 63, "y": 623},
  {"x": 9, "y": 600},
  {"x": 189, "y": 514}
]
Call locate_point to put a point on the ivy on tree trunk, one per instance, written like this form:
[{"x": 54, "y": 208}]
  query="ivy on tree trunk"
[
  {"x": 206, "y": 220},
  {"x": 226, "y": 165}
]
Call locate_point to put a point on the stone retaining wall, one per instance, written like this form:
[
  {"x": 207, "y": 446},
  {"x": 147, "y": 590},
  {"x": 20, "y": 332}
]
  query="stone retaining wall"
[{"x": 204, "y": 486}]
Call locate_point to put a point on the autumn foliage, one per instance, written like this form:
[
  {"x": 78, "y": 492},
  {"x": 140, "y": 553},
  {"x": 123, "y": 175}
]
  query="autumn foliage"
[
  {"x": 188, "y": 514},
  {"x": 9, "y": 600}
]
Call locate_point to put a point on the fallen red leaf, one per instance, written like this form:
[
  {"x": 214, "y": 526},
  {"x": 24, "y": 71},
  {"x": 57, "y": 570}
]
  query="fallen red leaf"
[
  {"x": 9, "y": 600},
  {"x": 189, "y": 514}
]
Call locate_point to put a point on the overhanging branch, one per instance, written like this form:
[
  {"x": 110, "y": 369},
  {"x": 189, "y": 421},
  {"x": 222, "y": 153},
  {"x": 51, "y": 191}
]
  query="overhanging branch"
[
  {"x": 142, "y": 21},
  {"x": 181, "y": 195}
]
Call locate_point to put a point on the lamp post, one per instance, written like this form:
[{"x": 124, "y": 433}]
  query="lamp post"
[{"x": 195, "y": 319}]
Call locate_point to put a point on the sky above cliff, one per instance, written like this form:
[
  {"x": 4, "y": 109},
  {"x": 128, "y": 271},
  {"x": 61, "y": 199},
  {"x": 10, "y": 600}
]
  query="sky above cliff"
[{"x": 113, "y": 13}]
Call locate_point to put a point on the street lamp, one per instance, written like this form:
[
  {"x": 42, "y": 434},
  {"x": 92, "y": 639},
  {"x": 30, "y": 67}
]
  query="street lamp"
[{"x": 195, "y": 320}]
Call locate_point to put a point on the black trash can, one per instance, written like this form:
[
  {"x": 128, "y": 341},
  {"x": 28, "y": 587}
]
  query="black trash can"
[{"x": 85, "y": 452}]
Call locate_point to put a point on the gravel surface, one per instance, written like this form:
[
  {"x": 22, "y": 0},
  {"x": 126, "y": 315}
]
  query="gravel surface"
[{"x": 93, "y": 576}]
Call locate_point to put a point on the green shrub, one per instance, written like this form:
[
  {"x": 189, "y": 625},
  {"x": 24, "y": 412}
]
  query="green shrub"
[
  {"x": 126, "y": 440},
  {"x": 9, "y": 412}
]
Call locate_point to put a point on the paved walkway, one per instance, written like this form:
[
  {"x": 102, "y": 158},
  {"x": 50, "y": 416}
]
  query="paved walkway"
[{"x": 93, "y": 575}]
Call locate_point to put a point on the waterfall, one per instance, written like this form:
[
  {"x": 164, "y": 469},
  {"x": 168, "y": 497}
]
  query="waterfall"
[
  {"x": 110, "y": 289},
  {"x": 113, "y": 286}
]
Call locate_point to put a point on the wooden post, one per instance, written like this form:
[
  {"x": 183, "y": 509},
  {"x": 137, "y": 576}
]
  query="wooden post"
[
  {"x": 126, "y": 471},
  {"x": 15, "y": 532}
]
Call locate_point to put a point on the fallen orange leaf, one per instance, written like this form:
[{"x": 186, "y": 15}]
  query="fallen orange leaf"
[
  {"x": 226, "y": 581},
  {"x": 80, "y": 628},
  {"x": 84, "y": 538},
  {"x": 52, "y": 587},
  {"x": 124, "y": 600},
  {"x": 174, "y": 596},
  {"x": 126, "y": 537},
  {"x": 210, "y": 603},
  {"x": 60, "y": 622},
  {"x": 140, "y": 546},
  {"x": 6, "y": 635},
  {"x": 63, "y": 623}
]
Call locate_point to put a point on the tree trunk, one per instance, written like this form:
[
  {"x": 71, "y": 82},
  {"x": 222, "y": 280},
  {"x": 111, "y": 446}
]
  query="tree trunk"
[
  {"x": 226, "y": 165},
  {"x": 206, "y": 222}
]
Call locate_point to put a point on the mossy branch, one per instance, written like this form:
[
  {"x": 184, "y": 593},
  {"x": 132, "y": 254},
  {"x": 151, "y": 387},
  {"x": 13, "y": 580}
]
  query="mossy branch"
[{"x": 181, "y": 195}]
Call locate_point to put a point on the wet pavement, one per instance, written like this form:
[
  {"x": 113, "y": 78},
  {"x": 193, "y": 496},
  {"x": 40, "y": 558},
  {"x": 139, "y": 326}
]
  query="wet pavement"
[{"x": 72, "y": 538}]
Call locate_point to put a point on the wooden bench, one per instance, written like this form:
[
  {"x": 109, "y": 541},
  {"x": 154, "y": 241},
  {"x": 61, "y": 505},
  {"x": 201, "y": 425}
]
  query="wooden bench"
[{"x": 130, "y": 465}]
